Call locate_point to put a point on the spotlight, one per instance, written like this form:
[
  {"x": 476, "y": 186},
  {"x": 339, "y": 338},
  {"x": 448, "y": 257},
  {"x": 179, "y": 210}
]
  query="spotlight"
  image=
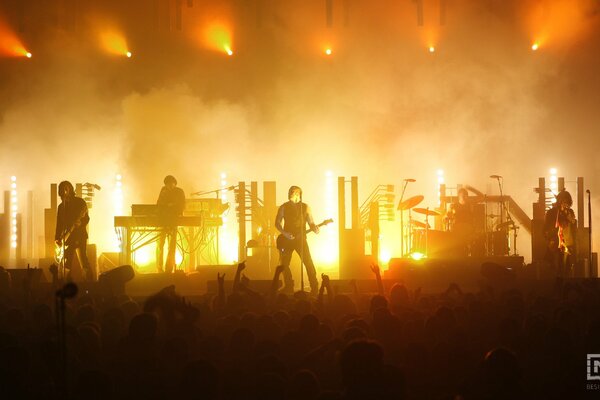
[
  {"x": 228, "y": 50},
  {"x": 128, "y": 54},
  {"x": 28, "y": 55},
  {"x": 431, "y": 49},
  {"x": 328, "y": 52},
  {"x": 417, "y": 256},
  {"x": 535, "y": 46}
]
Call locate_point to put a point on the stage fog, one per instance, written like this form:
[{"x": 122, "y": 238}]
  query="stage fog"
[{"x": 463, "y": 92}]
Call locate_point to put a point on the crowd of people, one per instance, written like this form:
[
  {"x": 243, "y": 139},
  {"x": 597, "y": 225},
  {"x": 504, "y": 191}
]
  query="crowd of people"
[{"x": 343, "y": 343}]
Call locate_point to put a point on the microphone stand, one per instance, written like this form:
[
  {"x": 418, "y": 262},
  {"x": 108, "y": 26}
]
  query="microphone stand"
[
  {"x": 68, "y": 291},
  {"x": 504, "y": 209},
  {"x": 302, "y": 239},
  {"x": 217, "y": 191},
  {"x": 590, "y": 230}
]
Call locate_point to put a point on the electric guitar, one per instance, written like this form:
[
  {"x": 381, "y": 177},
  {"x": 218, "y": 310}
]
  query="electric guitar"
[
  {"x": 284, "y": 243},
  {"x": 59, "y": 250}
]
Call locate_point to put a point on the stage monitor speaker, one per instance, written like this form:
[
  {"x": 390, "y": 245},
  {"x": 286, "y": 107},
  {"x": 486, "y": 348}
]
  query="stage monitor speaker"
[
  {"x": 113, "y": 281},
  {"x": 108, "y": 261}
]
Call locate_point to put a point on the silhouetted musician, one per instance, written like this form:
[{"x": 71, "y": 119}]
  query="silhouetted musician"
[{"x": 171, "y": 202}]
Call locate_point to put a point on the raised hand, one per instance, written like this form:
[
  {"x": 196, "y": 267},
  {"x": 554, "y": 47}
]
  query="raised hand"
[
  {"x": 242, "y": 266},
  {"x": 325, "y": 279},
  {"x": 221, "y": 278},
  {"x": 375, "y": 269}
]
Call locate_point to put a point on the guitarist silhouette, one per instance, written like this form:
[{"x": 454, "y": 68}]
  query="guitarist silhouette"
[
  {"x": 295, "y": 215},
  {"x": 71, "y": 228}
]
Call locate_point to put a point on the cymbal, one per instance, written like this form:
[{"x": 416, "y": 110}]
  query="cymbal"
[
  {"x": 419, "y": 224},
  {"x": 507, "y": 224},
  {"x": 426, "y": 211},
  {"x": 410, "y": 202}
]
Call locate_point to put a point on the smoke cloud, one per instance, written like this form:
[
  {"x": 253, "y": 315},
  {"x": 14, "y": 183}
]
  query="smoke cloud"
[{"x": 381, "y": 107}]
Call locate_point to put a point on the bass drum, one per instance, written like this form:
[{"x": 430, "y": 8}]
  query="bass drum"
[
  {"x": 436, "y": 244},
  {"x": 478, "y": 247},
  {"x": 498, "y": 243}
]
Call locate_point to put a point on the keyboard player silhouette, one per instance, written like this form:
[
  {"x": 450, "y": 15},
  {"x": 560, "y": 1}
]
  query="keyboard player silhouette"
[{"x": 171, "y": 203}]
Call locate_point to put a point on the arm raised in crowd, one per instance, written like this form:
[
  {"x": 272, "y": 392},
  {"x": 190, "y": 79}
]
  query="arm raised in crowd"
[
  {"x": 220, "y": 304},
  {"x": 236, "y": 280},
  {"x": 377, "y": 272}
]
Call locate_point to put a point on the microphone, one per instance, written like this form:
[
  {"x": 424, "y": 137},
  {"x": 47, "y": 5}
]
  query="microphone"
[
  {"x": 495, "y": 177},
  {"x": 410, "y": 180},
  {"x": 68, "y": 291}
]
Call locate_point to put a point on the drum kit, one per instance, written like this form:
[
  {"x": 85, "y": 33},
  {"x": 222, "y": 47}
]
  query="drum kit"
[
  {"x": 418, "y": 232},
  {"x": 419, "y": 237}
]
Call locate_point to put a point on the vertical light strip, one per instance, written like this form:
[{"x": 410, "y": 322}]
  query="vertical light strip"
[
  {"x": 14, "y": 206},
  {"x": 330, "y": 209},
  {"x": 554, "y": 182}
]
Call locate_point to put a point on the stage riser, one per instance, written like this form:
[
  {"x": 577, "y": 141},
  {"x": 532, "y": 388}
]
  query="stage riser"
[{"x": 435, "y": 275}]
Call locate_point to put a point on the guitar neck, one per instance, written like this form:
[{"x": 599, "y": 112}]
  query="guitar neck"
[{"x": 318, "y": 226}]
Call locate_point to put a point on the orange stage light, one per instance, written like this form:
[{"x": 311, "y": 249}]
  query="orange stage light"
[
  {"x": 217, "y": 36},
  {"x": 10, "y": 45},
  {"x": 114, "y": 43},
  {"x": 558, "y": 22}
]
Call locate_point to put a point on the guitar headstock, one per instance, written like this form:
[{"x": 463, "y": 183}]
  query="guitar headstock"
[{"x": 326, "y": 222}]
